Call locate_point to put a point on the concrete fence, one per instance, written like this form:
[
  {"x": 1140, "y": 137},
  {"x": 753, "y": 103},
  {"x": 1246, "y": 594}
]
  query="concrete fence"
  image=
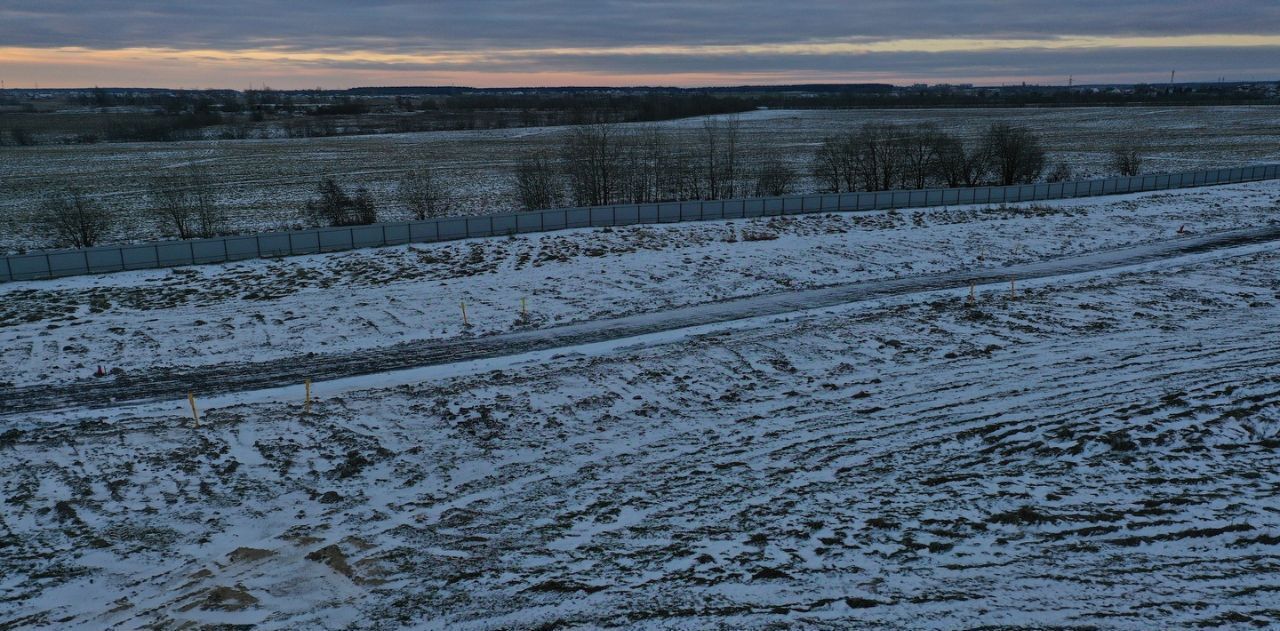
[{"x": 160, "y": 254}]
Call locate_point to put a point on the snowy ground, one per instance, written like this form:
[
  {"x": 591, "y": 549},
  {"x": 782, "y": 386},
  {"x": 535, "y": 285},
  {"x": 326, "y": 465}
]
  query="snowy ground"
[
  {"x": 1099, "y": 450},
  {"x": 61, "y": 331}
]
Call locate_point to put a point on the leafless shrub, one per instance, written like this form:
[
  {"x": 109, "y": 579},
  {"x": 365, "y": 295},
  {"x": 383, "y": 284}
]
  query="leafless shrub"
[
  {"x": 650, "y": 167},
  {"x": 334, "y": 207},
  {"x": 833, "y": 165},
  {"x": 183, "y": 200},
  {"x": 592, "y": 157},
  {"x": 1017, "y": 156},
  {"x": 364, "y": 210},
  {"x": 1126, "y": 158},
  {"x": 958, "y": 164},
  {"x": 919, "y": 155},
  {"x": 538, "y": 183},
  {"x": 774, "y": 178},
  {"x": 71, "y": 218},
  {"x": 878, "y": 157},
  {"x": 424, "y": 193},
  {"x": 720, "y": 157}
]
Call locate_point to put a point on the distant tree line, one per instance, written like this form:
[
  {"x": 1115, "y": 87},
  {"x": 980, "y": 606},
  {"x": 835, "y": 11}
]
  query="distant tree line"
[
  {"x": 606, "y": 164},
  {"x": 155, "y": 116},
  {"x": 880, "y": 157},
  {"x": 159, "y": 115}
]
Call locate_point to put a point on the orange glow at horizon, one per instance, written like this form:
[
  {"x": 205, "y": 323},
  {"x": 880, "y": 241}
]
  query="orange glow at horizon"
[{"x": 168, "y": 67}]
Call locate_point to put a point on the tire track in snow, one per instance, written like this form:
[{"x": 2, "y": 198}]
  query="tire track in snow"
[{"x": 172, "y": 384}]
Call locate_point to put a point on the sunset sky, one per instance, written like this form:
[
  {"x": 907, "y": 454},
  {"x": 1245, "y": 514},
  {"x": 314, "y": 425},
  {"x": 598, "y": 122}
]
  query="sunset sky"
[{"x": 308, "y": 43}]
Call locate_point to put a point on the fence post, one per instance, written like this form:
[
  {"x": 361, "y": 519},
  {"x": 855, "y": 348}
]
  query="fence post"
[{"x": 195, "y": 415}]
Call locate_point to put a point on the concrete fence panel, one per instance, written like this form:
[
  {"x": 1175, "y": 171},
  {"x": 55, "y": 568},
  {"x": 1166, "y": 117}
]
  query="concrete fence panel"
[{"x": 140, "y": 257}]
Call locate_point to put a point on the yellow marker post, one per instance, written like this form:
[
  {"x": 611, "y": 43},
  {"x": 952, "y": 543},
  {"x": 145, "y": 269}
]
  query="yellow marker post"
[
  {"x": 464, "y": 313},
  {"x": 1013, "y": 291},
  {"x": 195, "y": 414},
  {"x": 306, "y": 407},
  {"x": 524, "y": 310}
]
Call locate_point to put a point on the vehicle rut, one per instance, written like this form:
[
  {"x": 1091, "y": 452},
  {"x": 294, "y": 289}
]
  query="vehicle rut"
[{"x": 164, "y": 384}]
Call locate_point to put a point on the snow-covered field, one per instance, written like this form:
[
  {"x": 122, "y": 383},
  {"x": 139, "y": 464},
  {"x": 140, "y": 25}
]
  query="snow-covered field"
[
  {"x": 61, "y": 331},
  {"x": 1097, "y": 450},
  {"x": 264, "y": 184}
]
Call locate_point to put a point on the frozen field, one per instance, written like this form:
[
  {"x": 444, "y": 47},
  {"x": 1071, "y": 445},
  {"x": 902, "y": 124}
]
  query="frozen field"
[
  {"x": 1099, "y": 450},
  {"x": 61, "y": 331},
  {"x": 265, "y": 183}
]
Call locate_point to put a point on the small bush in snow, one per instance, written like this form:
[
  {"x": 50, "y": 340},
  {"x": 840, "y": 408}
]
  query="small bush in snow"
[
  {"x": 1126, "y": 158},
  {"x": 334, "y": 207},
  {"x": 71, "y": 218}
]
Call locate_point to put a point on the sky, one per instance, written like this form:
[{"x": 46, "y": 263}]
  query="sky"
[{"x": 491, "y": 43}]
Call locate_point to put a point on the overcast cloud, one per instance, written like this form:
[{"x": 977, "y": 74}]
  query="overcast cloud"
[{"x": 613, "y": 41}]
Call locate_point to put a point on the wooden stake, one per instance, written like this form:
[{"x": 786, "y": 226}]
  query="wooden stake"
[
  {"x": 1013, "y": 291},
  {"x": 464, "y": 313},
  {"x": 195, "y": 415},
  {"x": 306, "y": 407},
  {"x": 972, "y": 287},
  {"x": 524, "y": 311}
]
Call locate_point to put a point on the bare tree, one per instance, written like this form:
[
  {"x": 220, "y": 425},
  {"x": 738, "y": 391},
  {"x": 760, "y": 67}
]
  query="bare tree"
[
  {"x": 1126, "y": 158},
  {"x": 774, "y": 178},
  {"x": 720, "y": 157},
  {"x": 919, "y": 155},
  {"x": 952, "y": 160},
  {"x": 211, "y": 217},
  {"x": 874, "y": 158},
  {"x": 833, "y": 164},
  {"x": 334, "y": 207},
  {"x": 363, "y": 210},
  {"x": 71, "y": 218},
  {"x": 184, "y": 201},
  {"x": 538, "y": 183},
  {"x": 424, "y": 193},
  {"x": 686, "y": 173},
  {"x": 593, "y": 160},
  {"x": 1017, "y": 156}
]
